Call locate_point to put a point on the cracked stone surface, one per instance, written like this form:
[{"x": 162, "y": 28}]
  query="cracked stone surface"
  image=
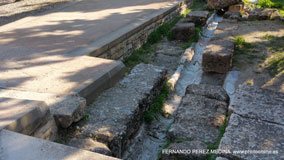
[
  {"x": 258, "y": 103},
  {"x": 115, "y": 124},
  {"x": 198, "y": 118},
  {"x": 250, "y": 134},
  {"x": 209, "y": 91}
]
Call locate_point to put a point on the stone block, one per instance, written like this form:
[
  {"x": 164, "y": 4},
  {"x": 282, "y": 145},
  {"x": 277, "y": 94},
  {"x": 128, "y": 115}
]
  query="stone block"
[
  {"x": 22, "y": 116},
  {"x": 243, "y": 134},
  {"x": 47, "y": 131},
  {"x": 237, "y": 8},
  {"x": 70, "y": 109},
  {"x": 16, "y": 146},
  {"x": 198, "y": 17},
  {"x": 198, "y": 118},
  {"x": 182, "y": 149},
  {"x": 90, "y": 145},
  {"x": 183, "y": 31},
  {"x": 209, "y": 91},
  {"x": 218, "y": 56},
  {"x": 253, "y": 102},
  {"x": 220, "y": 4}
]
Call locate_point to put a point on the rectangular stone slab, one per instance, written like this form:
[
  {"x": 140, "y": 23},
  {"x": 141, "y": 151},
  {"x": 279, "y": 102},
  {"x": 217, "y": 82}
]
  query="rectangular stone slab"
[
  {"x": 21, "y": 115},
  {"x": 258, "y": 103},
  {"x": 16, "y": 146},
  {"x": 249, "y": 134},
  {"x": 198, "y": 118}
]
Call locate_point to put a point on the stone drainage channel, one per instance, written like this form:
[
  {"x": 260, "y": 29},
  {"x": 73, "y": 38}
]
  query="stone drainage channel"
[{"x": 152, "y": 138}]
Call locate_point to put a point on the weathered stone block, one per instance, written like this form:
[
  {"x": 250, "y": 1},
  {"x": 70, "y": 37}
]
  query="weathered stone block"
[
  {"x": 254, "y": 135},
  {"x": 237, "y": 8},
  {"x": 218, "y": 56},
  {"x": 183, "y": 31},
  {"x": 198, "y": 118},
  {"x": 47, "y": 131},
  {"x": 220, "y": 4},
  {"x": 209, "y": 91},
  {"x": 70, "y": 109},
  {"x": 198, "y": 17},
  {"x": 117, "y": 113},
  {"x": 257, "y": 103},
  {"x": 90, "y": 145},
  {"x": 182, "y": 151}
]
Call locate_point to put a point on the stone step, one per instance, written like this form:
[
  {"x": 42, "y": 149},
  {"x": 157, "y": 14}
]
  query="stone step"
[
  {"x": 257, "y": 103},
  {"x": 16, "y": 146},
  {"x": 61, "y": 75},
  {"x": 66, "y": 109},
  {"x": 117, "y": 113},
  {"x": 217, "y": 56},
  {"x": 246, "y": 134},
  {"x": 23, "y": 116}
]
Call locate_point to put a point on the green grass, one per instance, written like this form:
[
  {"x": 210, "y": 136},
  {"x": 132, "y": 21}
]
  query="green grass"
[
  {"x": 275, "y": 61},
  {"x": 143, "y": 54},
  {"x": 244, "y": 52},
  {"x": 155, "y": 109},
  {"x": 279, "y": 4},
  {"x": 214, "y": 146}
]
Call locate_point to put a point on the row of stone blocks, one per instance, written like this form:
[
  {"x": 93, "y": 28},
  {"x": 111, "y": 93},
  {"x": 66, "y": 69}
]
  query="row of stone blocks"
[{"x": 117, "y": 114}]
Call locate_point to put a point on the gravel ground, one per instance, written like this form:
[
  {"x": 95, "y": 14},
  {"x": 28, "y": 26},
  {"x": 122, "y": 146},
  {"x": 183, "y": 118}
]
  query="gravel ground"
[{"x": 10, "y": 12}]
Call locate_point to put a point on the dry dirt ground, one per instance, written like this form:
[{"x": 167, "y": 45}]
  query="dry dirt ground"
[
  {"x": 10, "y": 12},
  {"x": 259, "y": 51}
]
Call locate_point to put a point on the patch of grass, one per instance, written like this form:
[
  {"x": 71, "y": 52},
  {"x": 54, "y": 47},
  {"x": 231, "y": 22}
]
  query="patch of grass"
[
  {"x": 275, "y": 63},
  {"x": 270, "y": 3},
  {"x": 214, "y": 146},
  {"x": 156, "y": 107},
  {"x": 144, "y": 53},
  {"x": 279, "y": 4},
  {"x": 244, "y": 52}
]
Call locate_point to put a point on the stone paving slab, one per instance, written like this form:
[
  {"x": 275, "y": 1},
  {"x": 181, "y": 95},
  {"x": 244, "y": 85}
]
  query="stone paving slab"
[
  {"x": 198, "y": 118},
  {"x": 21, "y": 115},
  {"x": 255, "y": 135},
  {"x": 14, "y": 146},
  {"x": 257, "y": 103},
  {"x": 117, "y": 113},
  {"x": 83, "y": 75}
]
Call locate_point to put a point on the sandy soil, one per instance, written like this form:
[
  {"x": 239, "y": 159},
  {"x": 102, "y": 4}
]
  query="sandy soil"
[{"x": 252, "y": 64}]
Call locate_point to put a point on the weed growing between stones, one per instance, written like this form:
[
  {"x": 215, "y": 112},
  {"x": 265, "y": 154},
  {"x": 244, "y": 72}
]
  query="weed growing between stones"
[
  {"x": 156, "y": 107},
  {"x": 215, "y": 145},
  {"x": 243, "y": 52},
  {"x": 143, "y": 54}
]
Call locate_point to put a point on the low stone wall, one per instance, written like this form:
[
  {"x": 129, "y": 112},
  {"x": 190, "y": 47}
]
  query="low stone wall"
[{"x": 123, "y": 46}]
